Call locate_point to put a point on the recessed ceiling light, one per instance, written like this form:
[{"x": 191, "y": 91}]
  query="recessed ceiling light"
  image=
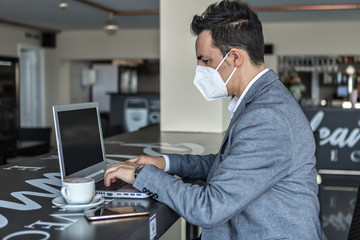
[{"x": 63, "y": 4}]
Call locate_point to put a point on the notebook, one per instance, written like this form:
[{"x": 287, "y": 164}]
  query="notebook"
[{"x": 81, "y": 148}]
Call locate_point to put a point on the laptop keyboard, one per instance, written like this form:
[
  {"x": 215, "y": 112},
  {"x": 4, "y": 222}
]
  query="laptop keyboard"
[{"x": 113, "y": 187}]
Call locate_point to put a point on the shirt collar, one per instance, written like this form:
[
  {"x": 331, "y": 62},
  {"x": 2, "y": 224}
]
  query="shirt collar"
[{"x": 235, "y": 102}]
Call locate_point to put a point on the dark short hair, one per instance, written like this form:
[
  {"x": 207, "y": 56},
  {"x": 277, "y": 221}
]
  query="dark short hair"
[{"x": 233, "y": 25}]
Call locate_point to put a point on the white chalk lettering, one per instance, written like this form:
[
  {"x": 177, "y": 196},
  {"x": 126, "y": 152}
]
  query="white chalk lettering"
[
  {"x": 316, "y": 120},
  {"x": 324, "y": 133},
  {"x": 354, "y": 137},
  {"x": 68, "y": 216},
  {"x": 3, "y": 221},
  {"x": 333, "y": 203},
  {"x": 148, "y": 149},
  {"x": 23, "y": 168},
  {"x": 28, "y": 204},
  {"x": 334, "y": 155},
  {"x": 48, "y": 225},
  {"x": 50, "y": 157},
  {"x": 352, "y": 203},
  {"x": 340, "y": 137},
  {"x": 31, "y": 232},
  {"x": 340, "y": 221}
]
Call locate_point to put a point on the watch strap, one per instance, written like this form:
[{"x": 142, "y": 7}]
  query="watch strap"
[{"x": 138, "y": 170}]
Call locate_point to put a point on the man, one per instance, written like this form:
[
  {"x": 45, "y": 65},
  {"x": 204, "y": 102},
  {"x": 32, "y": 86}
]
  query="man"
[{"x": 262, "y": 183}]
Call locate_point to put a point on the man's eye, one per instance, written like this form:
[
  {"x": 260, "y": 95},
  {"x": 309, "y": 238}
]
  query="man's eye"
[{"x": 205, "y": 61}]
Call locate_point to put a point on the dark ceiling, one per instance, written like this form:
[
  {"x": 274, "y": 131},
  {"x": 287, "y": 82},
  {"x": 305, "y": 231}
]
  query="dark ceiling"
[{"x": 81, "y": 16}]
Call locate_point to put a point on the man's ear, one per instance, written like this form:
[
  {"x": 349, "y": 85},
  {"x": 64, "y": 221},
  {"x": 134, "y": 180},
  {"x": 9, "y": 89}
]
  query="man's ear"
[{"x": 238, "y": 56}]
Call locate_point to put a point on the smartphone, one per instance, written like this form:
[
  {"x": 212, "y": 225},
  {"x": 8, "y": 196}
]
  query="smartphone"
[{"x": 115, "y": 212}]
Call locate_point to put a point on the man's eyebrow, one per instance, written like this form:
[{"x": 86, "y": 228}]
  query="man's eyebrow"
[{"x": 200, "y": 57}]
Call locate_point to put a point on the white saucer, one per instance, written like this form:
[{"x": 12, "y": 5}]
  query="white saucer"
[{"x": 60, "y": 202}]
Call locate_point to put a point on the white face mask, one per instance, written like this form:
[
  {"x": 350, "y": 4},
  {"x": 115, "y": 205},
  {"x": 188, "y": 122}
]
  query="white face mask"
[{"x": 210, "y": 83}]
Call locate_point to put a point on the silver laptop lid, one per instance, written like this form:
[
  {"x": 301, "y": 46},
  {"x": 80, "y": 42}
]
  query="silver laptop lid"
[{"x": 79, "y": 140}]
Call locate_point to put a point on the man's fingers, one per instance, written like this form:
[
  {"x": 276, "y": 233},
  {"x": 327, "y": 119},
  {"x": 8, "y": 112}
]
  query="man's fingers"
[
  {"x": 123, "y": 171},
  {"x": 113, "y": 166},
  {"x": 134, "y": 159},
  {"x": 109, "y": 178}
]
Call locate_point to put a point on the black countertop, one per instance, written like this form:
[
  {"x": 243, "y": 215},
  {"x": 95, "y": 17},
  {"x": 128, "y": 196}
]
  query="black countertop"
[{"x": 28, "y": 187}]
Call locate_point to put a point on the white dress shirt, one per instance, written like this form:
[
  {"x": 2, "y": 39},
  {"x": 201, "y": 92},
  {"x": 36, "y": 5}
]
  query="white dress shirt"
[{"x": 235, "y": 102}]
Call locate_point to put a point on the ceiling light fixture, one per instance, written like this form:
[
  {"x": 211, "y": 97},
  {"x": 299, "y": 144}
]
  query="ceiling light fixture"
[
  {"x": 111, "y": 26},
  {"x": 63, "y": 4}
]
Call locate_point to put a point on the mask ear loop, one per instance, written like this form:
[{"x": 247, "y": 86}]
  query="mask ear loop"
[
  {"x": 232, "y": 71},
  {"x": 230, "y": 76},
  {"x": 222, "y": 61}
]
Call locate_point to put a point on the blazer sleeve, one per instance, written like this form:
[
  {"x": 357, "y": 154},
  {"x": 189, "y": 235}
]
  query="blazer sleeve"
[
  {"x": 257, "y": 156},
  {"x": 191, "y": 166}
]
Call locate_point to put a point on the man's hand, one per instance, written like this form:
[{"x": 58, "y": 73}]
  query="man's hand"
[
  {"x": 125, "y": 170},
  {"x": 158, "y": 162}
]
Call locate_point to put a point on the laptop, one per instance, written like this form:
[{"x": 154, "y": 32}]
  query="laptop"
[{"x": 81, "y": 148}]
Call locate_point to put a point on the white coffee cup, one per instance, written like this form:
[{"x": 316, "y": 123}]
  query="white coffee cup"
[{"x": 78, "y": 190}]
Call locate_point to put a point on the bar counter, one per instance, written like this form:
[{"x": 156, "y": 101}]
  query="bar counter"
[{"x": 28, "y": 187}]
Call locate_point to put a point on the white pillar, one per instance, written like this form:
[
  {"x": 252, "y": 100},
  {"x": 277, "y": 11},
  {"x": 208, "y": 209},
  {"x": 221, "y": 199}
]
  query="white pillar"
[{"x": 183, "y": 108}]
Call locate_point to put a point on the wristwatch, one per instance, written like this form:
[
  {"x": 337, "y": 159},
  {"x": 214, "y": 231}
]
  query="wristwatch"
[{"x": 138, "y": 170}]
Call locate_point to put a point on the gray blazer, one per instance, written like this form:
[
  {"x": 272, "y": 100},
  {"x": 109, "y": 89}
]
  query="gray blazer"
[{"x": 262, "y": 182}]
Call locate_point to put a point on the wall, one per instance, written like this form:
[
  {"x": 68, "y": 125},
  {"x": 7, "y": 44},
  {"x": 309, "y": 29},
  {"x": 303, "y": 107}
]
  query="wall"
[
  {"x": 11, "y": 36},
  {"x": 183, "y": 108},
  {"x": 53, "y": 84},
  {"x": 313, "y": 38},
  {"x": 96, "y": 44},
  {"x": 78, "y": 92}
]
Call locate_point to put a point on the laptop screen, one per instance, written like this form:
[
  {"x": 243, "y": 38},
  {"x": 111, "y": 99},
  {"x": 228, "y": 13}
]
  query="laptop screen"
[{"x": 80, "y": 137}]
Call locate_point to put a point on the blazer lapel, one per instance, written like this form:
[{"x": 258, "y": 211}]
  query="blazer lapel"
[{"x": 263, "y": 81}]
